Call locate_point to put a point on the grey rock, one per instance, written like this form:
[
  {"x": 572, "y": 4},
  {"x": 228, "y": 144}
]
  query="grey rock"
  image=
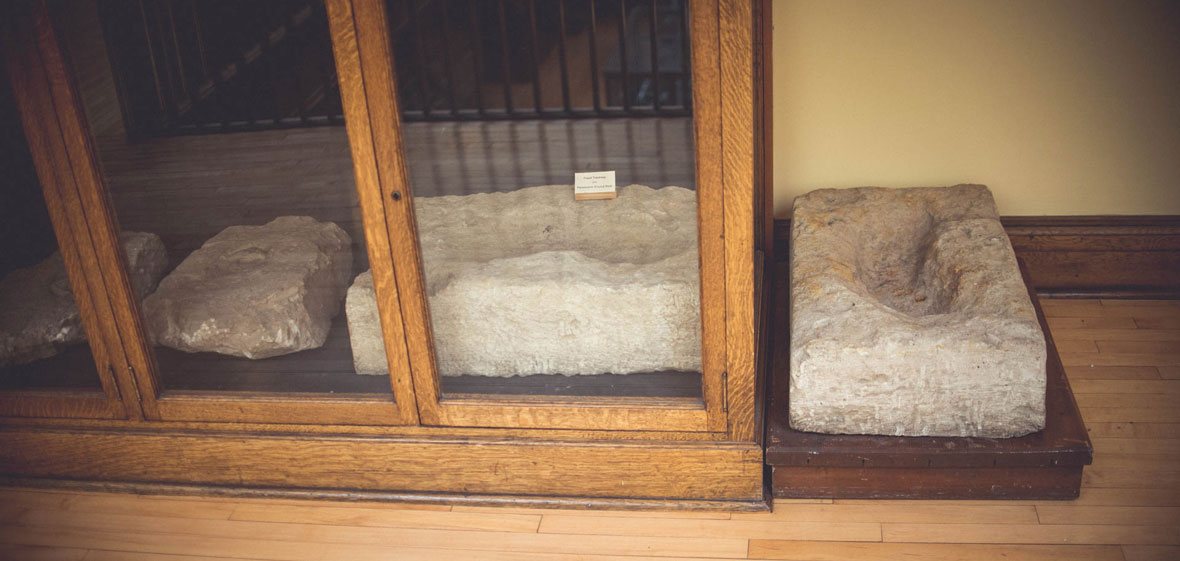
[
  {"x": 364, "y": 327},
  {"x": 533, "y": 282},
  {"x": 254, "y": 291},
  {"x": 146, "y": 260},
  {"x": 38, "y": 314},
  {"x": 909, "y": 317}
]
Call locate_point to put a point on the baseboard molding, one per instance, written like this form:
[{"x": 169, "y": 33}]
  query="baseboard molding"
[{"x": 1087, "y": 256}]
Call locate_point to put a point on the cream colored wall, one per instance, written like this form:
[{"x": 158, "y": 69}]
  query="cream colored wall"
[{"x": 1060, "y": 106}]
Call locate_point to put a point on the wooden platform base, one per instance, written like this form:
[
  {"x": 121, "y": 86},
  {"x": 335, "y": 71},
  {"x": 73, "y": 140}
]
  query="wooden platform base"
[{"x": 1043, "y": 465}]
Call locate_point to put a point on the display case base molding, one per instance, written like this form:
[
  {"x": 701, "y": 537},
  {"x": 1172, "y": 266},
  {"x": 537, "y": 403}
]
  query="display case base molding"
[
  {"x": 1043, "y": 465},
  {"x": 454, "y": 470}
]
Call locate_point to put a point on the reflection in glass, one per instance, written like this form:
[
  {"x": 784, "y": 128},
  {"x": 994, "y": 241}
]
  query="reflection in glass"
[
  {"x": 43, "y": 344},
  {"x": 529, "y": 290},
  {"x": 219, "y": 132}
]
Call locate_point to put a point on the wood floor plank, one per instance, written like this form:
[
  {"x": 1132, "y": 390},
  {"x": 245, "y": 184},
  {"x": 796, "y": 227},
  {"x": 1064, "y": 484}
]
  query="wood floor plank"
[
  {"x": 1099, "y": 400},
  {"x": 1077, "y": 346},
  {"x": 1135, "y": 303},
  {"x": 705, "y": 514},
  {"x": 1099, "y": 496},
  {"x": 40, "y": 553},
  {"x": 683, "y": 529},
  {"x": 940, "y": 502},
  {"x": 1126, "y": 515},
  {"x": 900, "y": 511},
  {"x": 283, "y": 550},
  {"x": 388, "y": 518},
  {"x": 1154, "y": 446},
  {"x": 1151, "y": 553},
  {"x": 401, "y": 537},
  {"x": 1133, "y": 430},
  {"x": 174, "y": 507},
  {"x": 1169, "y": 372},
  {"x": 828, "y": 551},
  {"x": 1126, "y": 386},
  {"x": 1102, "y": 322},
  {"x": 1064, "y": 334},
  {"x": 1167, "y": 347},
  {"x": 1121, "y": 359},
  {"x": 107, "y": 555},
  {"x": 1164, "y": 322},
  {"x": 33, "y": 499},
  {"x": 1106, "y": 534},
  {"x": 1112, "y": 372},
  {"x": 10, "y": 512},
  {"x": 1055, "y": 307},
  {"x": 378, "y": 553},
  {"x": 1130, "y": 414},
  {"x": 1131, "y": 472}
]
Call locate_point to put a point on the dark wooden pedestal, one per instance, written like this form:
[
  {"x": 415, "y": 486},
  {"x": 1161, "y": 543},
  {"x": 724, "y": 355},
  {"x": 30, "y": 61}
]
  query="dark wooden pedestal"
[{"x": 1043, "y": 465}]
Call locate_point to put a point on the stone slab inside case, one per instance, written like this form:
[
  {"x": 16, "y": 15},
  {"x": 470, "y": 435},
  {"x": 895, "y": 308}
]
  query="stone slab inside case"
[{"x": 533, "y": 282}]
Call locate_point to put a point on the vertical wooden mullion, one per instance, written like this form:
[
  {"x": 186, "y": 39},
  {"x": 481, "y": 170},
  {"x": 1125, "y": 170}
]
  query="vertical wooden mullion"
[
  {"x": 737, "y": 116},
  {"x": 356, "y": 100},
  {"x": 765, "y": 117},
  {"x": 91, "y": 209},
  {"x": 376, "y": 57},
  {"x": 30, "y": 87},
  {"x": 707, "y": 124}
]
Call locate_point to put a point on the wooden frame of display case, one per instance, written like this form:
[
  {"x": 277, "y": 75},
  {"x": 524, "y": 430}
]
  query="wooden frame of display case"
[
  {"x": 641, "y": 452},
  {"x": 49, "y": 146}
]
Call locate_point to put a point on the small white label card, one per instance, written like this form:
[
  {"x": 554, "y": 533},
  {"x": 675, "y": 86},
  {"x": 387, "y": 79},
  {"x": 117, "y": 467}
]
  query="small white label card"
[{"x": 594, "y": 185}]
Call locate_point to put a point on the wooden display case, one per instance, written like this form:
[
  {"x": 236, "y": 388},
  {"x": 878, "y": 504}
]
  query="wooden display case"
[{"x": 411, "y": 440}]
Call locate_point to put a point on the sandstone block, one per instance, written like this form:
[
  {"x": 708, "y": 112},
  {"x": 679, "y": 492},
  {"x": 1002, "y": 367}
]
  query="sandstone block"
[
  {"x": 561, "y": 312},
  {"x": 38, "y": 315},
  {"x": 533, "y": 282},
  {"x": 909, "y": 317},
  {"x": 254, "y": 291}
]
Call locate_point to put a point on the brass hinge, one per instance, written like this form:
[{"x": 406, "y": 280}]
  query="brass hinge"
[{"x": 725, "y": 392}]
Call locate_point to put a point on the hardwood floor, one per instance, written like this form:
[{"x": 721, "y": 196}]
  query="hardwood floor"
[{"x": 1123, "y": 360}]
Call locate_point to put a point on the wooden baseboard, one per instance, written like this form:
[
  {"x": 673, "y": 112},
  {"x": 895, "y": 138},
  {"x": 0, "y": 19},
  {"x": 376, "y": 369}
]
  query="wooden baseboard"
[
  {"x": 1087, "y": 256},
  {"x": 388, "y": 467},
  {"x": 362, "y": 496}
]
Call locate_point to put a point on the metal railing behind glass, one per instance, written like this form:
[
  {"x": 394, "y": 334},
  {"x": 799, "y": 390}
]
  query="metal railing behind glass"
[
  {"x": 209, "y": 66},
  {"x": 530, "y": 59},
  {"x": 200, "y": 66}
]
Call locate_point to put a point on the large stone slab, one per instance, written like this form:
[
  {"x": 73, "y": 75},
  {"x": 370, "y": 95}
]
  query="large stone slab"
[
  {"x": 254, "y": 291},
  {"x": 533, "y": 282},
  {"x": 38, "y": 314},
  {"x": 909, "y": 317}
]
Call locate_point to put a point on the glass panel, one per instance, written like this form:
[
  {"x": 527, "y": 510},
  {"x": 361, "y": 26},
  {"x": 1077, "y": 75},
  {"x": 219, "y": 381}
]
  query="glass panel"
[
  {"x": 219, "y": 129},
  {"x": 43, "y": 344},
  {"x": 531, "y": 291}
]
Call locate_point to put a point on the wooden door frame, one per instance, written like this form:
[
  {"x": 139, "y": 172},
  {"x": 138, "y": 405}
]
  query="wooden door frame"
[
  {"x": 51, "y": 105},
  {"x": 32, "y": 74},
  {"x": 722, "y": 59}
]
